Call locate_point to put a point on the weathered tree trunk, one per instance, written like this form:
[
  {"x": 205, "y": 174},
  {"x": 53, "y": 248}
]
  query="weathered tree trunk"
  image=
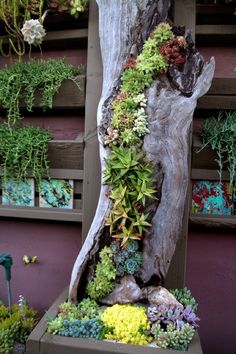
[{"x": 123, "y": 24}]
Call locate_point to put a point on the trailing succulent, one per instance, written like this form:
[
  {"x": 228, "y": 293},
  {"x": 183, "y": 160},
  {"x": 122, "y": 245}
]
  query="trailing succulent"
[
  {"x": 220, "y": 134},
  {"x": 21, "y": 80},
  {"x": 23, "y": 148},
  {"x": 15, "y": 326}
]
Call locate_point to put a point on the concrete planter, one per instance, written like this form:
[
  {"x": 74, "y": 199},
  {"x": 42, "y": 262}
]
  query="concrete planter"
[{"x": 41, "y": 342}]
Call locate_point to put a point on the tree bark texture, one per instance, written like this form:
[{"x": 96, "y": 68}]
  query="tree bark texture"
[{"x": 124, "y": 25}]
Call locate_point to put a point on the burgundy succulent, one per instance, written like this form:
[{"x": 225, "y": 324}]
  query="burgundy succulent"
[{"x": 174, "y": 50}]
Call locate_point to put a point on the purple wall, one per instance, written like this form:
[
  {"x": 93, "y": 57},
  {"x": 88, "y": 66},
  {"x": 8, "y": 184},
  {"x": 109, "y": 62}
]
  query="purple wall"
[
  {"x": 211, "y": 275},
  {"x": 56, "y": 246}
]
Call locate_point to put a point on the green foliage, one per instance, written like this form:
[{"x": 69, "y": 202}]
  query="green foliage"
[
  {"x": 105, "y": 274},
  {"x": 23, "y": 148},
  {"x": 220, "y": 134},
  {"x": 20, "y": 81},
  {"x": 86, "y": 309},
  {"x": 130, "y": 177},
  {"x": 77, "y": 6},
  {"x": 15, "y": 327},
  {"x": 135, "y": 81},
  {"x": 177, "y": 339},
  {"x": 185, "y": 297},
  {"x": 56, "y": 325}
]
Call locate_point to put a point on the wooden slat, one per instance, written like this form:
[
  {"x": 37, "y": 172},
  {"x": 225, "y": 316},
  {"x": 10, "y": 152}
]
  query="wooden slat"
[
  {"x": 223, "y": 86},
  {"x": 217, "y": 102},
  {"x": 209, "y": 30},
  {"x": 51, "y": 344},
  {"x": 76, "y": 175},
  {"x": 91, "y": 185},
  {"x": 65, "y": 154},
  {"x": 41, "y": 213},
  {"x": 53, "y": 36},
  {"x": 213, "y": 220},
  {"x": 78, "y": 187},
  {"x": 33, "y": 341},
  {"x": 215, "y": 9},
  {"x": 66, "y": 174},
  {"x": 198, "y": 173},
  {"x": 185, "y": 14},
  {"x": 68, "y": 96}
]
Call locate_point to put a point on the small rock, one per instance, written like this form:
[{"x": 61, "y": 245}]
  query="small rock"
[
  {"x": 159, "y": 296},
  {"x": 125, "y": 292}
]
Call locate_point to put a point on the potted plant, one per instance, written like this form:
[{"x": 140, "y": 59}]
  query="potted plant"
[{"x": 128, "y": 249}]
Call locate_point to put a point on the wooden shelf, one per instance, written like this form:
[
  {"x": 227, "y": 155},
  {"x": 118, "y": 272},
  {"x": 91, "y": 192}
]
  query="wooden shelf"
[
  {"x": 215, "y": 9},
  {"x": 212, "y": 175},
  {"x": 69, "y": 96},
  {"x": 217, "y": 102},
  {"x": 55, "y": 36},
  {"x": 223, "y": 86},
  {"x": 221, "y": 94},
  {"x": 66, "y": 154},
  {"x": 213, "y": 220},
  {"x": 74, "y": 215},
  {"x": 216, "y": 30}
]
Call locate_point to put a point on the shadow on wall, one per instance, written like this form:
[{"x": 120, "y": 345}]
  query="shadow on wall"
[
  {"x": 211, "y": 273},
  {"x": 56, "y": 245}
]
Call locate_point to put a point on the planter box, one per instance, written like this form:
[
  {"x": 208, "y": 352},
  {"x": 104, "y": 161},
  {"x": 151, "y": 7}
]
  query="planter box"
[{"x": 41, "y": 342}]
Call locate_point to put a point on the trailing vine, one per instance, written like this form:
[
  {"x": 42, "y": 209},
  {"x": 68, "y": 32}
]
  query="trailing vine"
[
  {"x": 220, "y": 134},
  {"x": 21, "y": 80},
  {"x": 23, "y": 151}
]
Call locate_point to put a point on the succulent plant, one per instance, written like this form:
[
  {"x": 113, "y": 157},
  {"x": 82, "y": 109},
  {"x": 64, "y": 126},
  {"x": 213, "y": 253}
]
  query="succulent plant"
[
  {"x": 190, "y": 316},
  {"x": 172, "y": 315},
  {"x": 171, "y": 337},
  {"x": 77, "y": 6},
  {"x": 185, "y": 297},
  {"x": 132, "y": 246},
  {"x": 103, "y": 281},
  {"x": 33, "y": 32},
  {"x": 92, "y": 328},
  {"x": 132, "y": 266}
]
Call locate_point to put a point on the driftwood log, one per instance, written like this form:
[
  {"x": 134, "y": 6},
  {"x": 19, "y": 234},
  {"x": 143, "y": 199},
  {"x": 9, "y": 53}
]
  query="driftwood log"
[{"x": 123, "y": 26}]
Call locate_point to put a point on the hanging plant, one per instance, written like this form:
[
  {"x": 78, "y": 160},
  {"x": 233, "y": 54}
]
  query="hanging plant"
[
  {"x": 23, "y": 152},
  {"x": 20, "y": 82},
  {"x": 220, "y": 134}
]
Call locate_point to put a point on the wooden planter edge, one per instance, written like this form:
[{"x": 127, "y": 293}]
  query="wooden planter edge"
[{"x": 41, "y": 342}]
